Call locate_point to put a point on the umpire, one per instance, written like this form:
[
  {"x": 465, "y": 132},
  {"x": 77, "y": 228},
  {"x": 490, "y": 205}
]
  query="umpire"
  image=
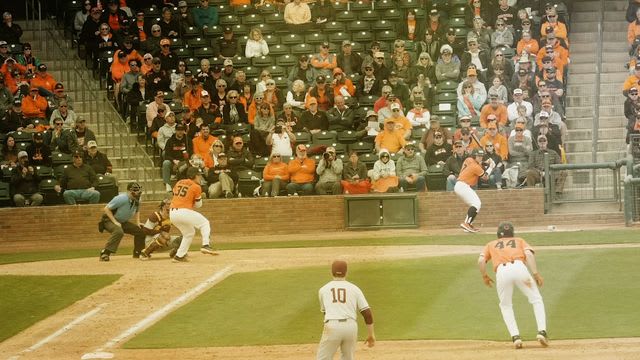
[{"x": 117, "y": 220}]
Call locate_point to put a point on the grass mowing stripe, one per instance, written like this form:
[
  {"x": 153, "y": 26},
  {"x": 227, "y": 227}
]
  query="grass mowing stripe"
[
  {"x": 538, "y": 239},
  {"x": 586, "y": 296},
  {"x": 29, "y": 299}
]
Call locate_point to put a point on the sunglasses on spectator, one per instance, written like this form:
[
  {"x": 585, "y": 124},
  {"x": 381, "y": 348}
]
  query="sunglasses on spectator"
[
  {"x": 384, "y": 156},
  {"x": 368, "y": 69},
  {"x": 633, "y": 93},
  {"x": 458, "y": 146},
  {"x": 104, "y": 28},
  {"x": 58, "y": 124},
  {"x": 77, "y": 157},
  {"x": 396, "y": 110},
  {"x": 380, "y": 58},
  {"x": 155, "y": 31},
  {"x": 148, "y": 59},
  {"x": 224, "y": 86},
  {"x": 409, "y": 149},
  {"x": 499, "y": 55},
  {"x": 270, "y": 84},
  {"x": 217, "y": 146},
  {"x": 399, "y": 45},
  {"x": 489, "y": 146},
  {"x": 519, "y": 130},
  {"x": 63, "y": 106},
  {"x": 266, "y": 75},
  {"x": 233, "y": 97},
  {"x": 238, "y": 143},
  {"x": 438, "y": 136},
  {"x": 166, "y": 45},
  {"x": 542, "y": 141},
  {"x": 275, "y": 156},
  {"x": 424, "y": 58}
]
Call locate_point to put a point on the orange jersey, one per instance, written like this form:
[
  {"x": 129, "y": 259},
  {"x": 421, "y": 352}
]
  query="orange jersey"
[
  {"x": 505, "y": 250},
  {"x": 470, "y": 172},
  {"x": 185, "y": 194}
]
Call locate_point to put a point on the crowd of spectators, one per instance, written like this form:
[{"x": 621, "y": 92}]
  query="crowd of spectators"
[
  {"x": 631, "y": 85},
  {"x": 410, "y": 97},
  {"x": 42, "y": 138}
]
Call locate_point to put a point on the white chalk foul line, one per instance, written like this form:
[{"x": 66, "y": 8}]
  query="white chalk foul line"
[
  {"x": 167, "y": 308},
  {"x": 60, "y": 331}
]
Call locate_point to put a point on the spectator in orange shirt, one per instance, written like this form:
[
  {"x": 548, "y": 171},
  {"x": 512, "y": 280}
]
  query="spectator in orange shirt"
[
  {"x": 13, "y": 73},
  {"x": 147, "y": 63},
  {"x": 302, "y": 171},
  {"x": 632, "y": 80},
  {"x": 202, "y": 145},
  {"x": 499, "y": 112},
  {"x": 118, "y": 68},
  {"x": 528, "y": 44},
  {"x": 322, "y": 93},
  {"x": 341, "y": 84},
  {"x": 559, "y": 29},
  {"x": 34, "y": 106},
  {"x": 391, "y": 138},
  {"x": 275, "y": 176},
  {"x": 43, "y": 81},
  {"x": 499, "y": 142},
  {"x": 633, "y": 31}
]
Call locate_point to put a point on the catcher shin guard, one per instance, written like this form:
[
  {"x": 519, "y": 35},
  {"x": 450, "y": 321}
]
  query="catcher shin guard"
[
  {"x": 471, "y": 214},
  {"x": 153, "y": 246}
]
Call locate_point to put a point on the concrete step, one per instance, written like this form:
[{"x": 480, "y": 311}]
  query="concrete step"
[
  {"x": 612, "y": 25},
  {"x": 583, "y": 37},
  {"x": 621, "y": 56},
  {"x": 586, "y": 47},
  {"x": 584, "y": 68},
  {"x": 604, "y": 134},
  {"x": 605, "y": 122},
  {"x": 586, "y": 157},
  {"x": 575, "y": 146},
  {"x": 579, "y": 112},
  {"x": 614, "y": 36},
  {"x": 615, "y": 78},
  {"x": 584, "y": 79},
  {"x": 579, "y": 101},
  {"x": 611, "y": 67},
  {"x": 585, "y": 17},
  {"x": 582, "y": 58},
  {"x": 613, "y": 14},
  {"x": 586, "y": 6},
  {"x": 612, "y": 45}
]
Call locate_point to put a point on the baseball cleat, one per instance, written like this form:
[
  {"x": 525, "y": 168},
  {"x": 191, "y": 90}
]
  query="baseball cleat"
[
  {"x": 208, "y": 250},
  {"x": 517, "y": 342},
  {"x": 178, "y": 259},
  {"x": 173, "y": 253},
  {"x": 104, "y": 255},
  {"x": 473, "y": 228},
  {"x": 144, "y": 255},
  {"x": 542, "y": 338},
  {"x": 468, "y": 228}
]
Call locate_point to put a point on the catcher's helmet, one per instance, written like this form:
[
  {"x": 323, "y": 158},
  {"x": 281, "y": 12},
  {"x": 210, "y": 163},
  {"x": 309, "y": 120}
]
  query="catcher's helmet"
[
  {"x": 339, "y": 268},
  {"x": 477, "y": 152},
  {"x": 505, "y": 229}
]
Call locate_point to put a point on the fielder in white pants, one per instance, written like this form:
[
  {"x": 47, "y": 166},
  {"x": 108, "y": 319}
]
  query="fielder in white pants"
[
  {"x": 511, "y": 256},
  {"x": 340, "y": 301}
]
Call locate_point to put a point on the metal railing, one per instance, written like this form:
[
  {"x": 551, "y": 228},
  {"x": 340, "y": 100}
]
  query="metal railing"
[
  {"x": 583, "y": 183},
  {"x": 93, "y": 100}
]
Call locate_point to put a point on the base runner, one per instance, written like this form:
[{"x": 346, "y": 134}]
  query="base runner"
[
  {"x": 187, "y": 194},
  {"x": 472, "y": 169},
  {"x": 511, "y": 256},
  {"x": 157, "y": 228},
  {"x": 340, "y": 301}
]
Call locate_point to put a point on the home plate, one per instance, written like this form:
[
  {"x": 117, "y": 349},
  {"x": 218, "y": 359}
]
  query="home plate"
[{"x": 97, "y": 355}]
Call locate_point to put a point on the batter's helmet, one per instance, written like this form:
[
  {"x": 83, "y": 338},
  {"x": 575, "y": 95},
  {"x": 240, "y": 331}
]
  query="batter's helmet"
[
  {"x": 339, "y": 268},
  {"x": 192, "y": 172},
  {"x": 477, "y": 152},
  {"x": 505, "y": 229}
]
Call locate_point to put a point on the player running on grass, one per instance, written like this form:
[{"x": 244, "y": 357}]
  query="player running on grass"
[
  {"x": 187, "y": 194},
  {"x": 511, "y": 256},
  {"x": 472, "y": 169},
  {"x": 340, "y": 301}
]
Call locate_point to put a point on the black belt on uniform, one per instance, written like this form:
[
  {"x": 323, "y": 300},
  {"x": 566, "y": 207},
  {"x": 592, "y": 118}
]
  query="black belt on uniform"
[
  {"x": 511, "y": 262},
  {"x": 340, "y": 320}
]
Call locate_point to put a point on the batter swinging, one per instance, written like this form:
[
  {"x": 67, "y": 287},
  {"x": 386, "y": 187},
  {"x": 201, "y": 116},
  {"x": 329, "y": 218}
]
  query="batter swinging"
[
  {"x": 471, "y": 170},
  {"x": 340, "y": 301},
  {"x": 511, "y": 256}
]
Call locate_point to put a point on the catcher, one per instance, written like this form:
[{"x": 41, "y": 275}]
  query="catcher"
[
  {"x": 511, "y": 257},
  {"x": 156, "y": 229}
]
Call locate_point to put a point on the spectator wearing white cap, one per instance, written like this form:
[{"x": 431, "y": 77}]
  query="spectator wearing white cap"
[
  {"x": 446, "y": 68},
  {"x": 228, "y": 72},
  {"x": 24, "y": 183},
  {"x": 518, "y": 100}
]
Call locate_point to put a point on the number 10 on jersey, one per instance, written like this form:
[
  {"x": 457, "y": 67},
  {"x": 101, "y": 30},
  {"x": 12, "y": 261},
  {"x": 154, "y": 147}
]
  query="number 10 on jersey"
[{"x": 339, "y": 295}]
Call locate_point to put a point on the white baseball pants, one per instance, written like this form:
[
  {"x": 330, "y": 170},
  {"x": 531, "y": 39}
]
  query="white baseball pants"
[
  {"x": 187, "y": 221},
  {"x": 513, "y": 274},
  {"x": 467, "y": 194},
  {"x": 338, "y": 334}
]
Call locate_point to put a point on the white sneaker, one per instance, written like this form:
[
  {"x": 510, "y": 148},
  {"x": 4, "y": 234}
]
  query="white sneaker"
[{"x": 168, "y": 188}]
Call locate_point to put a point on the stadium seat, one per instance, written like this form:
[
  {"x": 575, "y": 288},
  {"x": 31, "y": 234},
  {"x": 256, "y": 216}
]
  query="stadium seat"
[
  {"x": 315, "y": 38},
  {"x": 5, "y": 195},
  {"x": 436, "y": 179},
  {"x": 223, "y": 10},
  {"x": 252, "y": 19},
  {"x": 248, "y": 181},
  {"x": 6, "y": 174},
  {"x": 183, "y": 53},
  {"x": 240, "y": 62},
  {"x": 108, "y": 187},
  {"x": 292, "y": 39},
  {"x": 385, "y": 5},
  {"x": 229, "y": 20},
  {"x": 386, "y": 36},
  {"x": 241, "y": 29},
  {"x": 447, "y": 97},
  {"x": 267, "y": 29},
  {"x": 251, "y": 72},
  {"x": 268, "y": 9},
  {"x": 369, "y": 16},
  {"x": 340, "y": 148},
  {"x": 243, "y": 11},
  {"x": 238, "y": 129},
  {"x": 286, "y": 60},
  {"x": 417, "y": 133},
  {"x": 447, "y": 119},
  {"x": 339, "y": 37},
  {"x": 324, "y": 137},
  {"x": 262, "y": 61},
  {"x": 282, "y": 83},
  {"x": 192, "y": 63},
  {"x": 278, "y": 50},
  {"x": 456, "y": 12},
  {"x": 340, "y": 6},
  {"x": 274, "y": 19},
  {"x": 392, "y": 15},
  {"x": 259, "y": 163},
  {"x": 44, "y": 172},
  {"x": 271, "y": 39},
  {"x": 345, "y": 16},
  {"x": 199, "y": 42},
  {"x": 361, "y": 147},
  {"x": 302, "y": 49},
  {"x": 358, "y": 26},
  {"x": 362, "y": 36},
  {"x": 446, "y": 86},
  {"x": 205, "y": 52},
  {"x": 368, "y": 159},
  {"x": 21, "y": 136},
  {"x": 303, "y": 137},
  {"x": 334, "y": 26},
  {"x": 409, "y": 4},
  {"x": 191, "y": 32},
  {"x": 359, "y": 6},
  {"x": 457, "y": 22},
  {"x": 367, "y": 100},
  {"x": 382, "y": 25},
  {"x": 347, "y": 137},
  {"x": 58, "y": 158},
  {"x": 214, "y": 32}
]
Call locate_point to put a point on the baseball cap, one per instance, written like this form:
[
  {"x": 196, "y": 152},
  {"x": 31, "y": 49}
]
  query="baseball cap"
[
  {"x": 378, "y": 54},
  {"x": 465, "y": 118},
  {"x": 544, "y": 114},
  {"x": 181, "y": 127},
  {"x": 228, "y": 30},
  {"x": 159, "y": 93},
  {"x": 393, "y": 73},
  {"x": 337, "y": 71},
  {"x": 324, "y": 44},
  {"x": 472, "y": 72},
  {"x": 204, "y": 93},
  {"x": 434, "y": 12},
  {"x": 321, "y": 79},
  {"x": 216, "y": 68},
  {"x": 156, "y": 60},
  {"x": 58, "y": 86},
  {"x": 371, "y": 113},
  {"x": 188, "y": 73},
  {"x": 22, "y": 154},
  {"x": 122, "y": 55},
  {"x": 410, "y": 145},
  {"x": 395, "y": 105},
  {"x": 92, "y": 144},
  {"x": 301, "y": 147},
  {"x": 38, "y": 135},
  {"x": 457, "y": 142},
  {"x": 637, "y": 67},
  {"x": 451, "y": 31},
  {"x": 446, "y": 49},
  {"x": 505, "y": 229},
  {"x": 182, "y": 3},
  {"x": 517, "y": 91},
  {"x": 165, "y": 42},
  {"x": 78, "y": 153},
  {"x": 346, "y": 43},
  {"x": 17, "y": 102},
  {"x": 3, "y": 43},
  {"x": 42, "y": 67},
  {"x": 222, "y": 155},
  {"x": 303, "y": 58},
  {"x": 228, "y": 62}
]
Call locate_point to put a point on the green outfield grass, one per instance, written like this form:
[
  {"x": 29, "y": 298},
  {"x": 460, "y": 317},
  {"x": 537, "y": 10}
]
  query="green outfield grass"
[
  {"x": 622, "y": 236},
  {"x": 588, "y": 294},
  {"x": 29, "y": 299}
]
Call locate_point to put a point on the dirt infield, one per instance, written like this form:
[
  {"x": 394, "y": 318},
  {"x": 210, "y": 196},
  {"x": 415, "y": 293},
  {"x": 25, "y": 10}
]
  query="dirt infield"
[{"x": 140, "y": 291}]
